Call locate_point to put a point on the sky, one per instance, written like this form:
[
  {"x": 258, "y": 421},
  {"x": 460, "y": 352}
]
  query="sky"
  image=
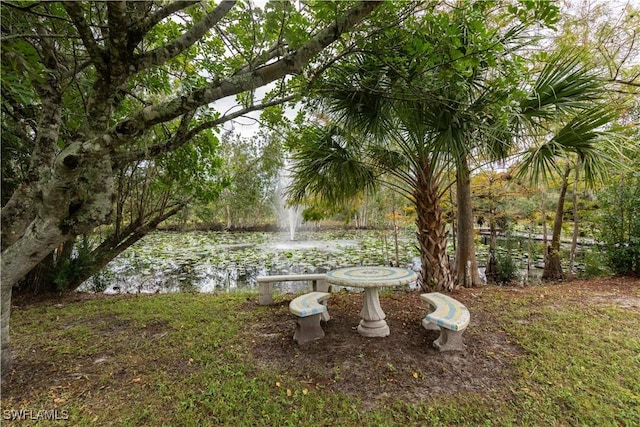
[
  {"x": 246, "y": 126},
  {"x": 249, "y": 125}
]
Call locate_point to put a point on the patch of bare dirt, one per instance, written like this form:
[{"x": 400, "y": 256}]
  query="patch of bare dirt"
[{"x": 404, "y": 364}]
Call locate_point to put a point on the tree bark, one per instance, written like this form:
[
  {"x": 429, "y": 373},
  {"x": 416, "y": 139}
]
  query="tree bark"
[
  {"x": 432, "y": 235},
  {"x": 552, "y": 263},
  {"x": 5, "y": 354},
  {"x": 466, "y": 262}
]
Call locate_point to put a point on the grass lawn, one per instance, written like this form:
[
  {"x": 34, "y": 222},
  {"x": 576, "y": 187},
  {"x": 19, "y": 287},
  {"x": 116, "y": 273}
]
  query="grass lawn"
[{"x": 192, "y": 360}]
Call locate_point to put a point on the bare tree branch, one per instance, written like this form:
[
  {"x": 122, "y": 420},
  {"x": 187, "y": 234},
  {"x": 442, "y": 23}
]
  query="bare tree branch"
[
  {"x": 74, "y": 9},
  {"x": 632, "y": 83},
  {"x": 142, "y": 27},
  {"x": 183, "y": 135}
]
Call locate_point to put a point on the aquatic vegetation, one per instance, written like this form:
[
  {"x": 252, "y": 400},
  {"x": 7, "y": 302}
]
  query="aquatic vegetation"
[{"x": 219, "y": 261}]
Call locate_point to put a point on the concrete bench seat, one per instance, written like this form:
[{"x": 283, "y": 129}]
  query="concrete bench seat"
[
  {"x": 309, "y": 310},
  {"x": 448, "y": 315}
]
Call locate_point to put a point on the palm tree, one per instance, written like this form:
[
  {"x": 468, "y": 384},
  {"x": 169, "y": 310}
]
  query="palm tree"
[
  {"x": 586, "y": 142},
  {"x": 403, "y": 120},
  {"x": 406, "y": 121}
]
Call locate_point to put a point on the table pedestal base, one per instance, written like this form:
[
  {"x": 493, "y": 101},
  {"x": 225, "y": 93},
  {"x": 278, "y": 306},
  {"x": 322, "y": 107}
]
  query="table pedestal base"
[
  {"x": 372, "y": 323},
  {"x": 377, "y": 328}
]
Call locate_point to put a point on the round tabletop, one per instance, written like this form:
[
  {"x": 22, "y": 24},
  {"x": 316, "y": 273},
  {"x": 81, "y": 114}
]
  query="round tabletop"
[{"x": 374, "y": 276}]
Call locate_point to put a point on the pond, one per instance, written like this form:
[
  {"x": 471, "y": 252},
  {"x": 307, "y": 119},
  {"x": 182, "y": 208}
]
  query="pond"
[{"x": 220, "y": 261}]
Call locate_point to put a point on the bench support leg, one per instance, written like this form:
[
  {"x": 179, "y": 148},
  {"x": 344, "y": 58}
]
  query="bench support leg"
[
  {"x": 265, "y": 296},
  {"x": 320, "y": 286},
  {"x": 308, "y": 329},
  {"x": 430, "y": 326},
  {"x": 449, "y": 340}
]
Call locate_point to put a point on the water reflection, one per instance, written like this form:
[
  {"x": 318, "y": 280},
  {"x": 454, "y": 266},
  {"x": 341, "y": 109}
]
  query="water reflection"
[
  {"x": 213, "y": 262},
  {"x": 226, "y": 262}
]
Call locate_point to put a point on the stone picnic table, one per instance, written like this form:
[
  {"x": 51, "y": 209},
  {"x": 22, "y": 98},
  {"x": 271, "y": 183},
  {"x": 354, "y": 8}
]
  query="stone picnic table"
[{"x": 372, "y": 323}]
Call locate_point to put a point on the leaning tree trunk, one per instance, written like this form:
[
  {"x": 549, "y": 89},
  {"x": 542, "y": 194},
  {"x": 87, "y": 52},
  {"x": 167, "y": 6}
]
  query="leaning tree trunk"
[
  {"x": 466, "y": 269},
  {"x": 42, "y": 279},
  {"x": 114, "y": 245},
  {"x": 552, "y": 263},
  {"x": 432, "y": 238}
]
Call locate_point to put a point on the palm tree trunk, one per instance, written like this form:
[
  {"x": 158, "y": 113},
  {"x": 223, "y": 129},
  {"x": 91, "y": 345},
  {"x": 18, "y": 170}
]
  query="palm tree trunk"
[
  {"x": 466, "y": 263},
  {"x": 543, "y": 213},
  {"x": 432, "y": 237},
  {"x": 394, "y": 224},
  {"x": 491, "y": 268},
  {"x": 492, "y": 263},
  {"x": 552, "y": 263}
]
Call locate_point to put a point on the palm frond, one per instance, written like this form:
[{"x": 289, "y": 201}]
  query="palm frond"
[
  {"x": 541, "y": 163},
  {"x": 585, "y": 136},
  {"x": 564, "y": 85},
  {"x": 390, "y": 161},
  {"x": 589, "y": 137},
  {"x": 356, "y": 97},
  {"x": 327, "y": 164}
]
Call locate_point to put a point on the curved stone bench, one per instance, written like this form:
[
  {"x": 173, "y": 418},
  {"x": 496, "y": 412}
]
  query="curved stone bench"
[
  {"x": 448, "y": 315},
  {"x": 309, "y": 310}
]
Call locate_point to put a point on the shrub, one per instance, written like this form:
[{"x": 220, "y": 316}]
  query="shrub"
[
  {"x": 504, "y": 270},
  {"x": 76, "y": 265},
  {"x": 507, "y": 270},
  {"x": 595, "y": 264},
  {"x": 620, "y": 231}
]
